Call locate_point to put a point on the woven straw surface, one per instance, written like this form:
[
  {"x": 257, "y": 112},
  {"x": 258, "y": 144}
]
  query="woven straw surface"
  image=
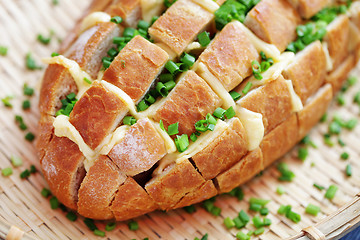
[{"x": 21, "y": 203}]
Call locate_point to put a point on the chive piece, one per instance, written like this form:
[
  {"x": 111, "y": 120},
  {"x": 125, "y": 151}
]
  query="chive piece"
[
  {"x": 30, "y": 62},
  {"x": 173, "y": 129},
  {"x": 166, "y": 77},
  {"x": 259, "y": 231},
  {"x": 280, "y": 190},
  {"x": 357, "y": 98},
  {"x": 238, "y": 223},
  {"x": 99, "y": 233},
  {"x": 55, "y": 2},
  {"x": 3, "y": 50},
  {"x": 182, "y": 142},
  {"x": 168, "y": 3},
  {"x": 30, "y": 136},
  {"x": 202, "y": 125},
  {"x": 208, "y": 205},
  {"x": 129, "y": 120},
  {"x": 205, "y": 237},
  {"x": 327, "y": 140},
  {"x": 54, "y": 54},
  {"x": 348, "y": 170},
  {"x": 256, "y": 67},
  {"x": 247, "y": 88},
  {"x": 16, "y": 161},
  {"x": 312, "y": 209},
  {"x": 267, "y": 222},
  {"x": 190, "y": 209},
  {"x": 28, "y": 91},
  {"x": 235, "y": 95},
  {"x": 244, "y": 217},
  {"x": 161, "y": 89},
  {"x": 286, "y": 174},
  {"x": 302, "y": 153},
  {"x": 188, "y": 59},
  {"x": 344, "y": 156},
  {"x": 215, "y": 211},
  {"x": 162, "y": 125},
  {"x": 110, "y": 226},
  {"x": 230, "y": 113},
  {"x": 261, "y": 202},
  {"x": 43, "y": 40},
  {"x": 54, "y": 202},
  {"x": 284, "y": 209},
  {"x": 6, "y": 101},
  {"x": 33, "y": 169},
  {"x": 237, "y": 192},
  {"x": 210, "y": 119},
  {"x": 88, "y": 81},
  {"x": 334, "y": 128},
  {"x": 25, "y": 174},
  {"x": 340, "y": 99},
  {"x": 6, "y": 171},
  {"x": 324, "y": 118},
  {"x": 26, "y": 104},
  {"x": 293, "y": 216},
  {"x": 154, "y": 19},
  {"x": 264, "y": 211},
  {"x": 71, "y": 216},
  {"x": 351, "y": 124},
  {"x": 133, "y": 225},
  {"x": 242, "y": 236},
  {"x": 169, "y": 85},
  {"x": 106, "y": 63},
  {"x": 193, "y": 137},
  {"x": 45, "y": 192},
  {"x": 130, "y": 32},
  {"x": 143, "y": 25},
  {"x": 116, "y": 19},
  {"x": 330, "y": 193},
  {"x": 90, "y": 224},
  {"x": 149, "y": 99},
  {"x": 258, "y": 223},
  {"x": 219, "y": 113},
  {"x": 142, "y": 106},
  {"x": 318, "y": 186},
  {"x": 172, "y": 67},
  {"x": 204, "y": 39},
  {"x": 255, "y": 207},
  {"x": 113, "y": 52}
]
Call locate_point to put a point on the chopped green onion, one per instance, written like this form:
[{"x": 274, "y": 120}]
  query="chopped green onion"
[
  {"x": 43, "y": 40},
  {"x": 344, "y": 156},
  {"x": 247, "y": 88},
  {"x": 6, "y": 171},
  {"x": 71, "y": 216},
  {"x": 99, "y": 233},
  {"x": 182, "y": 142},
  {"x": 230, "y": 113},
  {"x": 3, "y": 50},
  {"x": 242, "y": 236},
  {"x": 188, "y": 59},
  {"x": 267, "y": 222},
  {"x": 25, "y": 174},
  {"x": 162, "y": 125},
  {"x": 235, "y": 95},
  {"x": 351, "y": 124},
  {"x": 143, "y": 25},
  {"x": 318, "y": 186},
  {"x": 244, "y": 217},
  {"x": 169, "y": 85},
  {"x": 88, "y": 81},
  {"x": 172, "y": 67},
  {"x": 312, "y": 209},
  {"x": 280, "y": 190},
  {"x": 130, "y": 32},
  {"x": 168, "y": 3},
  {"x": 264, "y": 66},
  {"x": 340, "y": 99},
  {"x": 190, "y": 209},
  {"x": 341, "y": 142},
  {"x": 26, "y": 104},
  {"x": 30, "y": 62},
  {"x": 149, "y": 99},
  {"x": 90, "y": 224},
  {"x": 110, "y": 226},
  {"x": 193, "y": 137},
  {"x": 255, "y": 207},
  {"x": 30, "y": 137},
  {"x": 106, "y": 63},
  {"x": 142, "y": 106},
  {"x": 154, "y": 19},
  {"x": 295, "y": 217},
  {"x": 302, "y": 153},
  {"x": 6, "y": 101},
  {"x": 55, "y": 2},
  {"x": 173, "y": 129},
  {"x": 113, "y": 52},
  {"x": 204, "y": 39},
  {"x": 330, "y": 193},
  {"x": 129, "y": 120},
  {"x": 256, "y": 67},
  {"x": 16, "y": 161},
  {"x": 334, "y": 128},
  {"x": 327, "y": 140},
  {"x": 284, "y": 209},
  {"x": 166, "y": 77},
  {"x": 357, "y": 98},
  {"x": 54, "y": 202},
  {"x": 116, "y": 19},
  {"x": 258, "y": 223},
  {"x": 33, "y": 169},
  {"x": 45, "y": 192},
  {"x": 286, "y": 173},
  {"x": 215, "y": 211},
  {"x": 264, "y": 211},
  {"x": 324, "y": 118},
  {"x": 238, "y": 223},
  {"x": 261, "y": 202},
  {"x": 161, "y": 89},
  {"x": 201, "y": 126},
  {"x": 133, "y": 225},
  {"x": 219, "y": 113},
  {"x": 210, "y": 119},
  {"x": 348, "y": 170},
  {"x": 259, "y": 231},
  {"x": 237, "y": 192},
  {"x": 28, "y": 91},
  {"x": 54, "y": 54}
]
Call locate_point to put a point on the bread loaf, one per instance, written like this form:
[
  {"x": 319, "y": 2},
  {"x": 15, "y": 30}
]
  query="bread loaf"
[{"x": 160, "y": 114}]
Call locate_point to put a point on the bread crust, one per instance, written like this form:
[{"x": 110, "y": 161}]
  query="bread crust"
[
  {"x": 129, "y": 10},
  {"x": 337, "y": 77},
  {"x": 308, "y": 8},
  {"x": 230, "y": 55}
]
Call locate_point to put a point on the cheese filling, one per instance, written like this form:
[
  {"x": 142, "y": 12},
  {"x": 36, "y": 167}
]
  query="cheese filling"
[
  {"x": 151, "y": 8},
  {"x": 93, "y": 19}
]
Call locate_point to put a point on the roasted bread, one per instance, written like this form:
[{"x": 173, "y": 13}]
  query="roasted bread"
[{"x": 139, "y": 116}]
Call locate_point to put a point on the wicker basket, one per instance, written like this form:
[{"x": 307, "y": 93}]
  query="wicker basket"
[{"x": 22, "y": 205}]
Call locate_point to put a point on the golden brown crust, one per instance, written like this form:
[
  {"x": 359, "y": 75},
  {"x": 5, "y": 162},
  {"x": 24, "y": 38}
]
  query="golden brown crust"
[
  {"x": 274, "y": 21},
  {"x": 62, "y": 167},
  {"x": 96, "y": 114},
  {"x": 280, "y": 140},
  {"x": 139, "y": 150},
  {"x": 180, "y": 25},
  {"x": 92, "y": 45},
  {"x": 308, "y": 70},
  {"x": 98, "y": 189},
  {"x": 230, "y": 55},
  {"x": 129, "y": 10},
  {"x": 56, "y": 84},
  {"x": 188, "y": 103},
  {"x": 272, "y": 100},
  {"x": 46, "y": 133},
  {"x": 337, "y": 77},
  {"x": 314, "y": 109},
  {"x": 174, "y": 183},
  {"x": 131, "y": 200},
  {"x": 241, "y": 172},
  {"x": 223, "y": 152},
  {"x": 136, "y": 67},
  {"x": 308, "y": 8},
  {"x": 337, "y": 39},
  {"x": 205, "y": 191}
]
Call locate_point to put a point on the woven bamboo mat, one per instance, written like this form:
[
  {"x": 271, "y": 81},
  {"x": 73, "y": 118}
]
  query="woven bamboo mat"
[{"x": 21, "y": 203}]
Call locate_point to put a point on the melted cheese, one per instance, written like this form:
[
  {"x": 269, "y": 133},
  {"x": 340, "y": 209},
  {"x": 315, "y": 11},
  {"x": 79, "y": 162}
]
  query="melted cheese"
[
  {"x": 215, "y": 84},
  {"x": 122, "y": 95},
  {"x": 354, "y": 9},
  {"x": 171, "y": 53},
  {"x": 93, "y": 19},
  {"x": 329, "y": 61},
  {"x": 75, "y": 71},
  {"x": 169, "y": 143},
  {"x": 151, "y": 8},
  {"x": 296, "y": 103},
  {"x": 209, "y": 5},
  {"x": 269, "y": 49},
  {"x": 194, "y": 46},
  {"x": 253, "y": 125},
  {"x": 63, "y": 128},
  {"x": 111, "y": 140}
]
